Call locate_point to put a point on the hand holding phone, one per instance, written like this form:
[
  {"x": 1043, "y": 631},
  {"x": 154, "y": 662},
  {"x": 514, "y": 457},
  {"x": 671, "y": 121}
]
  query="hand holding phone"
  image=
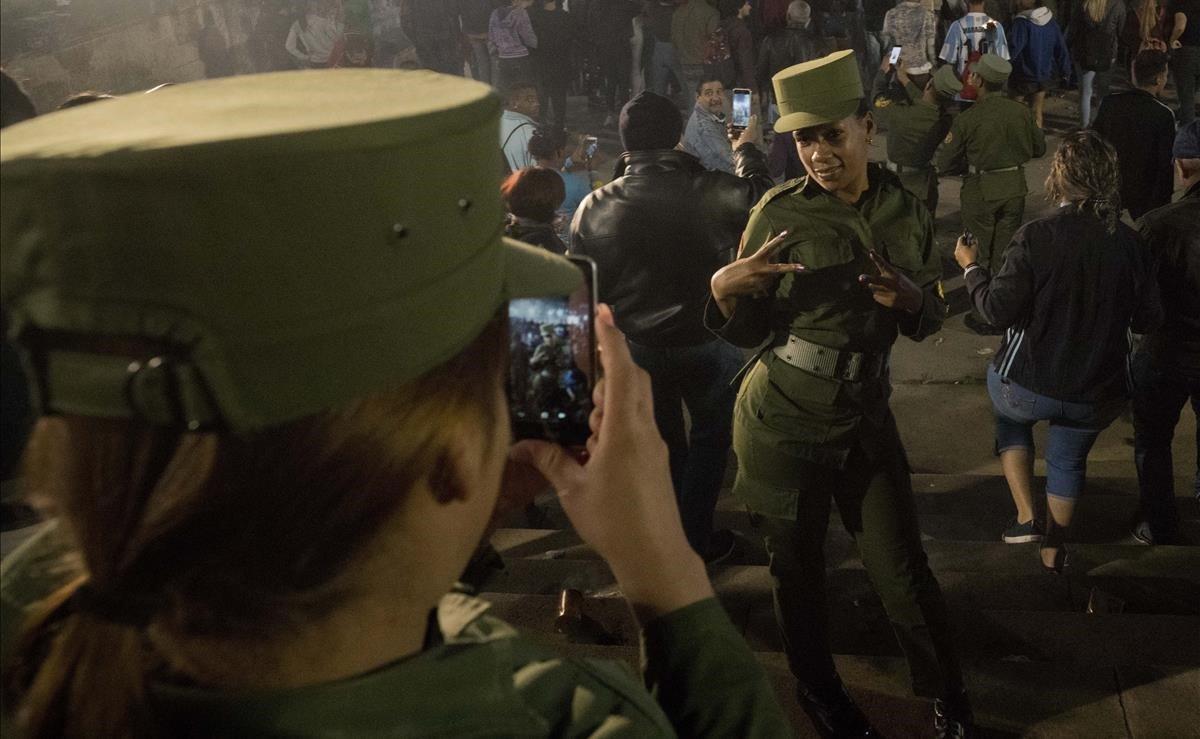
[
  {"x": 591, "y": 145},
  {"x": 894, "y": 57},
  {"x": 552, "y": 362},
  {"x": 741, "y": 108},
  {"x": 966, "y": 251}
]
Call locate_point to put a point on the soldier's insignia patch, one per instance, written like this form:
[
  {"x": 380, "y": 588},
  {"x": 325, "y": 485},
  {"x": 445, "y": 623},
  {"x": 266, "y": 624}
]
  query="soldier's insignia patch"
[
  {"x": 941, "y": 291},
  {"x": 949, "y": 138},
  {"x": 882, "y": 102}
]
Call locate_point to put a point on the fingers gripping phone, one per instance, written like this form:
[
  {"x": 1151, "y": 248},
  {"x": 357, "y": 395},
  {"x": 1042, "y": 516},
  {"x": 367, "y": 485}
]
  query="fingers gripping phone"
[
  {"x": 552, "y": 362},
  {"x": 741, "y": 108}
]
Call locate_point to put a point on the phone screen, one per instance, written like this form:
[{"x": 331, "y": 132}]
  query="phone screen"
[
  {"x": 741, "y": 107},
  {"x": 552, "y": 364},
  {"x": 895, "y": 57},
  {"x": 592, "y": 145}
]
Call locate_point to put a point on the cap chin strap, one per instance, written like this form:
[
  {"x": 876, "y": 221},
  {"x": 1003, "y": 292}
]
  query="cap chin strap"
[{"x": 161, "y": 391}]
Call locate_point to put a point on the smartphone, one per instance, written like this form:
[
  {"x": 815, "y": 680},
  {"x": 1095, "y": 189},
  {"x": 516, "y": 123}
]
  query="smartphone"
[
  {"x": 591, "y": 145},
  {"x": 895, "y": 55},
  {"x": 741, "y": 108},
  {"x": 969, "y": 238},
  {"x": 552, "y": 362}
]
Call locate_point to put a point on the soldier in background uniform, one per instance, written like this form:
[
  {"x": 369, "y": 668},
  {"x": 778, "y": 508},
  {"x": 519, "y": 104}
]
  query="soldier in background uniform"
[
  {"x": 989, "y": 144},
  {"x": 856, "y": 267},
  {"x": 916, "y": 120}
]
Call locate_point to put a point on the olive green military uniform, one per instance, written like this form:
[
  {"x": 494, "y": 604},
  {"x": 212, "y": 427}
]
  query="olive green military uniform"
[
  {"x": 915, "y": 128},
  {"x": 806, "y": 434},
  {"x": 477, "y": 676},
  {"x": 989, "y": 143}
]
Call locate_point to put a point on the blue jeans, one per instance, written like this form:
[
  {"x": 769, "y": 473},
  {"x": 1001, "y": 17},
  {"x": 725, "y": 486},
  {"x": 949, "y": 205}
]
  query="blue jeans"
[
  {"x": 697, "y": 377},
  {"x": 1073, "y": 430},
  {"x": 1159, "y": 394},
  {"x": 1089, "y": 79}
]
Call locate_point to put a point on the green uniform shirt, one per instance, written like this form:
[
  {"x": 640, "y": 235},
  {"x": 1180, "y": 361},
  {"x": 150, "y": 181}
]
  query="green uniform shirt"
[
  {"x": 915, "y": 127},
  {"x": 477, "y": 678},
  {"x": 801, "y": 414},
  {"x": 996, "y": 136}
]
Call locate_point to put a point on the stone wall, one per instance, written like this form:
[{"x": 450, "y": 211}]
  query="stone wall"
[{"x": 56, "y": 48}]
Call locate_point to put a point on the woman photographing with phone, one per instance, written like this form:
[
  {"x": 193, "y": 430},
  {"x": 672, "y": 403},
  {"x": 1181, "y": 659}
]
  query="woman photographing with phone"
[
  {"x": 269, "y": 465},
  {"x": 1073, "y": 285}
]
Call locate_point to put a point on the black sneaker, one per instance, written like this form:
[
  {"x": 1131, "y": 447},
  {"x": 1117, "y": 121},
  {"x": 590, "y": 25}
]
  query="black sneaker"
[
  {"x": 1023, "y": 533},
  {"x": 949, "y": 723},
  {"x": 980, "y": 326},
  {"x": 835, "y": 715}
]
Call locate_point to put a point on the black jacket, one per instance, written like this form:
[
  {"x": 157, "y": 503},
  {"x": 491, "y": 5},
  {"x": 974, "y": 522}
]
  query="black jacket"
[
  {"x": 1068, "y": 293},
  {"x": 659, "y": 231},
  {"x": 1172, "y": 235},
  {"x": 1142, "y": 130},
  {"x": 783, "y": 48}
]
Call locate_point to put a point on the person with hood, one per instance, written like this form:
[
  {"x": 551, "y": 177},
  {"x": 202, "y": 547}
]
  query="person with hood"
[
  {"x": 1092, "y": 36},
  {"x": 1038, "y": 52},
  {"x": 511, "y": 36}
]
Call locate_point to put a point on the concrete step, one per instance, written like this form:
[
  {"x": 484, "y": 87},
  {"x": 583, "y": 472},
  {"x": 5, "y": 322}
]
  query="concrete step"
[
  {"x": 862, "y": 628},
  {"x": 1010, "y": 697}
]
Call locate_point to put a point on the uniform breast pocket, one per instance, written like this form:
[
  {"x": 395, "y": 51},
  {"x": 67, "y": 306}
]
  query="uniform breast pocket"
[{"x": 832, "y": 268}]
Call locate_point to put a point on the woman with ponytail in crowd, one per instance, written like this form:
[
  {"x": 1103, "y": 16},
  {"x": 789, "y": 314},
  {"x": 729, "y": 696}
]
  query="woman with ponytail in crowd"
[
  {"x": 1072, "y": 286},
  {"x": 1092, "y": 36},
  {"x": 274, "y": 430}
]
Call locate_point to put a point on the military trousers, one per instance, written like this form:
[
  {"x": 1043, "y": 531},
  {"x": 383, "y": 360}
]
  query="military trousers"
[
  {"x": 875, "y": 499},
  {"x": 994, "y": 222}
]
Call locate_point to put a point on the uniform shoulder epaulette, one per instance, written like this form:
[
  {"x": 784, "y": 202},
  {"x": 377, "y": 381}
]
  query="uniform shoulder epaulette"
[{"x": 783, "y": 189}]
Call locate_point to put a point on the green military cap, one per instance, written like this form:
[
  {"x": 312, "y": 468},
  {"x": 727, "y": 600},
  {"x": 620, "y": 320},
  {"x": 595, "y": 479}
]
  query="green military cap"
[
  {"x": 945, "y": 82},
  {"x": 286, "y": 242},
  {"x": 821, "y": 91},
  {"x": 992, "y": 68}
]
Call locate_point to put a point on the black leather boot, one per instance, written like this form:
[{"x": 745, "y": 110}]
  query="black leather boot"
[
  {"x": 834, "y": 713},
  {"x": 1055, "y": 538}
]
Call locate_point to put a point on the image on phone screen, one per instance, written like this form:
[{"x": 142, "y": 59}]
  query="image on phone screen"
[
  {"x": 592, "y": 145},
  {"x": 741, "y": 107},
  {"x": 895, "y": 57},
  {"x": 552, "y": 365}
]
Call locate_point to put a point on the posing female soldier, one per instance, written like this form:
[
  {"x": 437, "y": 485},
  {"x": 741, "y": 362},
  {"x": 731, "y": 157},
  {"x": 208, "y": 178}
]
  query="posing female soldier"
[{"x": 832, "y": 267}]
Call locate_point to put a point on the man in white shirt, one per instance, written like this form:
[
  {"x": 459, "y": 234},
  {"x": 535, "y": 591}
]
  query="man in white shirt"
[
  {"x": 970, "y": 37},
  {"x": 521, "y": 109}
]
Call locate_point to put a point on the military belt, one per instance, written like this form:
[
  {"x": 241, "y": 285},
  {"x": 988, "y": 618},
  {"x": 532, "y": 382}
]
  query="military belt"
[
  {"x": 976, "y": 170},
  {"x": 826, "y": 362},
  {"x": 903, "y": 168}
]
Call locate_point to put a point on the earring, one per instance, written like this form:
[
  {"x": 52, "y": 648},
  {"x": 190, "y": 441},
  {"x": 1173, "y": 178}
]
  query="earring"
[{"x": 870, "y": 141}]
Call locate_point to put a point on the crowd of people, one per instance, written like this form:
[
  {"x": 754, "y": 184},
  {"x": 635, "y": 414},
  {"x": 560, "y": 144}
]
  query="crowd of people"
[{"x": 270, "y": 463}]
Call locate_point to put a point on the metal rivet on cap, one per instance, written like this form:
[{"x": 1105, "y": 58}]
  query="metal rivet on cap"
[
  {"x": 464, "y": 204},
  {"x": 399, "y": 230}
]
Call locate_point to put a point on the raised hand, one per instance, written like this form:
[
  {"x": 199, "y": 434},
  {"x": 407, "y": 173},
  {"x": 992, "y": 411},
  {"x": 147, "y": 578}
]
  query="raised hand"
[
  {"x": 753, "y": 276},
  {"x": 622, "y": 501},
  {"x": 892, "y": 288}
]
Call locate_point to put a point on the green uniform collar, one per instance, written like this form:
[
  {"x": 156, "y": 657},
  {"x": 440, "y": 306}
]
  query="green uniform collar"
[{"x": 464, "y": 688}]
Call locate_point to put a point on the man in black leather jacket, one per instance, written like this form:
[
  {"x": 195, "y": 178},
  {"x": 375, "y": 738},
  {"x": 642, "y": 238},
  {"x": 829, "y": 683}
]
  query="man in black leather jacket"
[{"x": 657, "y": 233}]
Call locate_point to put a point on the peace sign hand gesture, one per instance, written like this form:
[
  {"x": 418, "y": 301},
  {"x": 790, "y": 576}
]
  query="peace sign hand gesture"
[
  {"x": 892, "y": 288},
  {"x": 753, "y": 276}
]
